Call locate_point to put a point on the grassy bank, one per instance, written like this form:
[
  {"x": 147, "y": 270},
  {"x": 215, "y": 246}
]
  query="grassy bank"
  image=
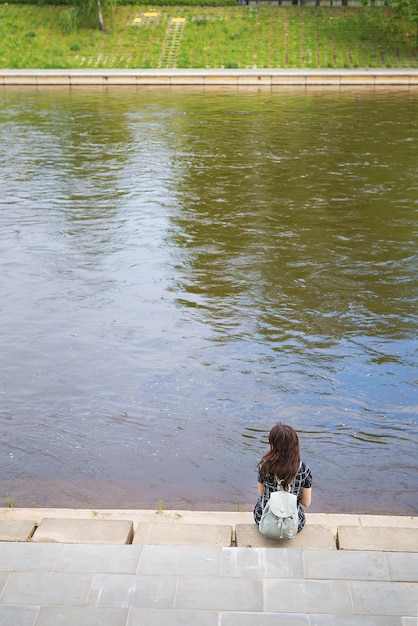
[{"x": 201, "y": 37}]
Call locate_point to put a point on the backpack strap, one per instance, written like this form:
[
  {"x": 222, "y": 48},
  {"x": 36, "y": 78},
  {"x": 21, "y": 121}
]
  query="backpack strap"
[{"x": 279, "y": 486}]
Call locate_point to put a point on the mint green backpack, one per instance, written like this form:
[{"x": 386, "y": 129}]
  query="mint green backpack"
[{"x": 280, "y": 517}]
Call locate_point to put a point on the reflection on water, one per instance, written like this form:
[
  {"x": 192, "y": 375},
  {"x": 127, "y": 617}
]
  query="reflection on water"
[{"x": 181, "y": 269}]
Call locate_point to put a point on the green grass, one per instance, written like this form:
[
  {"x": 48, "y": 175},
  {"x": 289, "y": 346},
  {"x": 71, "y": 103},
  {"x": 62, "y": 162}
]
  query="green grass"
[{"x": 243, "y": 37}]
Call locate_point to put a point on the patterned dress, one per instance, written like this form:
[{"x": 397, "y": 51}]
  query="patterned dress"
[{"x": 303, "y": 480}]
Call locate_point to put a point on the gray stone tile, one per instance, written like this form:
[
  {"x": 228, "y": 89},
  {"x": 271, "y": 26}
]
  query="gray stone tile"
[
  {"x": 403, "y": 566},
  {"x": 222, "y": 593},
  {"x": 307, "y": 596},
  {"x": 384, "y": 598},
  {"x": 81, "y": 616},
  {"x": 180, "y": 561},
  {"x": 355, "y": 620},
  {"x": 409, "y": 621},
  {"x": 172, "y": 617},
  {"x": 98, "y": 558},
  {"x": 18, "y": 615},
  {"x": 125, "y": 590},
  {"x": 28, "y": 556},
  {"x": 262, "y": 562},
  {"x": 264, "y": 619},
  {"x": 330, "y": 564},
  {"x": 46, "y": 588}
]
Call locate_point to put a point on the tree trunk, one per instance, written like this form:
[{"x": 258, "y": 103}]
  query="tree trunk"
[{"x": 101, "y": 21}]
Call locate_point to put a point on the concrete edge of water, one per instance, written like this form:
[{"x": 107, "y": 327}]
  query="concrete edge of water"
[
  {"x": 270, "y": 78},
  {"x": 181, "y": 516},
  {"x": 219, "y": 528}
]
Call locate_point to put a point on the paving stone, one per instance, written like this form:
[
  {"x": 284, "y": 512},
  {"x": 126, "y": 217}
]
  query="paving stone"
[
  {"x": 18, "y": 615},
  {"x": 31, "y": 588},
  {"x": 378, "y": 538},
  {"x": 307, "y": 596},
  {"x": 183, "y": 534},
  {"x": 16, "y": 530},
  {"x": 109, "y": 559},
  {"x": 125, "y": 591},
  {"x": 263, "y": 619},
  {"x": 84, "y": 531},
  {"x": 262, "y": 562},
  {"x": 81, "y": 616},
  {"x": 319, "y": 537},
  {"x": 221, "y": 593},
  {"x": 180, "y": 561},
  {"x": 403, "y": 566},
  {"x": 355, "y": 620},
  {"x": 28, "y": 556},
  {"x": 337, "y": 564},
  {"x": 384, "y": 598},
  {"x": 173, "y": 617}
]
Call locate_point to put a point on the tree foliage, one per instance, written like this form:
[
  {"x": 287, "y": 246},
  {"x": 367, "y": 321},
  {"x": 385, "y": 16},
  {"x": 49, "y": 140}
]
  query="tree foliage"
[{"x": 409, "y": 10}]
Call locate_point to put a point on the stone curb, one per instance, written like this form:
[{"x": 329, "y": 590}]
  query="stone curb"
[
  {"x": 17, "y": 530},
  {"x": 206, "y": 78},
  {"x": 158, "y": 534},
  {"x": 386, "y": 539},
  {"x": 84, "y": 531}
]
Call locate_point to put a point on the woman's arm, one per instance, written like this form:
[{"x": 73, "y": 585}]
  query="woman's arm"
[
  {"x": 306, "y": 497},
  {"x": 260, "y": 489}
]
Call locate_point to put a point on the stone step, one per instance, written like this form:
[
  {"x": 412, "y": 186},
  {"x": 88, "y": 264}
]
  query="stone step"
[
  {"x": 312, "y": 536},
  {"x": 84, "y": 531},
  {"x": 16, "y": 530},
  {"x": 385, "y": 539},
  {"x": 177, "y": 534}
]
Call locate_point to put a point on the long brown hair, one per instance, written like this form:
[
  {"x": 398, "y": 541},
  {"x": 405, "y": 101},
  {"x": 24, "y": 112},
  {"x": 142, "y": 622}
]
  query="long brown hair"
[{"x": 283, "y": 458}]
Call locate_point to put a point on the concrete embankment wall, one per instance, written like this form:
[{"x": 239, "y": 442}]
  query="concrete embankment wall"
[{"x": 406, "y": 78}]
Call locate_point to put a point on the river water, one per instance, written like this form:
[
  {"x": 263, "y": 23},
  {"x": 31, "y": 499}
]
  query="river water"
[{"x": 181, "y": 269}]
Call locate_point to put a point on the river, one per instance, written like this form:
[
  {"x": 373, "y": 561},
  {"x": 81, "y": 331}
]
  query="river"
[{"x": 182, "y": 268}]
